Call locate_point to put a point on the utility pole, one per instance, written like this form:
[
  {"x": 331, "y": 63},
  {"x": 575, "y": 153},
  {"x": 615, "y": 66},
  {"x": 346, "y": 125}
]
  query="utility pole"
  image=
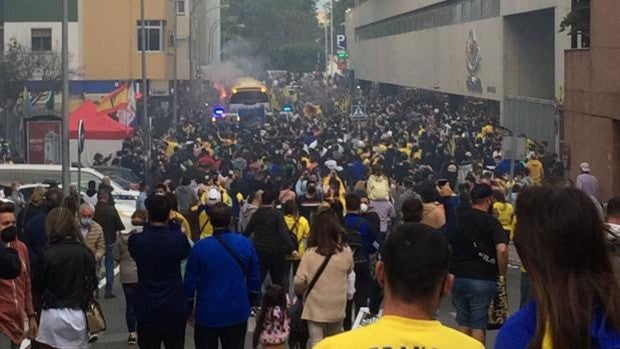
[
  {"x": 64, "y": 144},
  {"x": 331, "y": 29},
  {"x": 145, "y": 99},
  {"x": 190, "y": 45},
  {"x": 175, "y": 82},
  {"x": 326, "y": 51}
]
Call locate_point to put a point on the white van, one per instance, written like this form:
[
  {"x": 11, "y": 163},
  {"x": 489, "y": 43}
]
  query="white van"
[{"x": 125, "y": 200}]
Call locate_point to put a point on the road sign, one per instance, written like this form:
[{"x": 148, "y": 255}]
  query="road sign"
[
  {"x": 81, "y": 136},
  {"x": 358, "y": 112},
  {"x": 341, "y": 42}
]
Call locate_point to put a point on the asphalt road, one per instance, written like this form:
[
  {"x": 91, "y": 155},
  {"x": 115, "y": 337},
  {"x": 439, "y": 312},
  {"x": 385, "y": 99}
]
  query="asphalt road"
[{"x": 116, "y": 335}]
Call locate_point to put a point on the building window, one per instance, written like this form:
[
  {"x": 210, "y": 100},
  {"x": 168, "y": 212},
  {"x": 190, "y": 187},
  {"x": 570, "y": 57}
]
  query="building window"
[
  {"x": 41, "y": 40},
  {"x": 439, "y": 15},
  {"x": 180, "y": 7},
  {"x": 1, "y": 38},
  {"x": 154, "y": 35}
]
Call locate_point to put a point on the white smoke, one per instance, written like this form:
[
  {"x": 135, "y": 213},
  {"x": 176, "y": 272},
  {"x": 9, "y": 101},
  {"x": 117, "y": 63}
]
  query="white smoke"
[{"x": 239, "y": 61}]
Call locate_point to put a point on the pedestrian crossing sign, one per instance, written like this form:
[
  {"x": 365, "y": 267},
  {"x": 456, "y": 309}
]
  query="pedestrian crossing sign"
[{"x": 358, "y": 112}]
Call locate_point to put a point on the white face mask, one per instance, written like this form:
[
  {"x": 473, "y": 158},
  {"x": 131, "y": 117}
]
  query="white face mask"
[{"x": 363, "y": 208}]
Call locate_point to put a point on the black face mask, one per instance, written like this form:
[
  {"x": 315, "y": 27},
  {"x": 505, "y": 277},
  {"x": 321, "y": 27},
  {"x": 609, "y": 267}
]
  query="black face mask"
[{"x": 9, "y": 234}]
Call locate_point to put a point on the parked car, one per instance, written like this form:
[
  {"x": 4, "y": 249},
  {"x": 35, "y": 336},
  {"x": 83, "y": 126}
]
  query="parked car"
[{"x": 125, "y": 177}]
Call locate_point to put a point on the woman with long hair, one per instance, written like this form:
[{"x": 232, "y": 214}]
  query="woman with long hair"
[
  {"x": 561, "y": 241},
  {"x": 325, "y": 304},
  {"x": 65, "y": 278}
]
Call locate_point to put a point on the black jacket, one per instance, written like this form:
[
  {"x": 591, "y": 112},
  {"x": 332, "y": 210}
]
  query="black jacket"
[
  {"x": 109, "y": 220},
  {"x": 10, "y": 265},
  {"x": 268, "y": 232},
  {"x": 65, "y": 275},
  {"x": 25, "y": 215}
]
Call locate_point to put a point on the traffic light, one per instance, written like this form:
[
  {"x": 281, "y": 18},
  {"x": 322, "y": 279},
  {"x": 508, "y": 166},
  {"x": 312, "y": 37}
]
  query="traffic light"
[
  {"x": 342, "y": 55},
  {"x": 287, "y": 108}
]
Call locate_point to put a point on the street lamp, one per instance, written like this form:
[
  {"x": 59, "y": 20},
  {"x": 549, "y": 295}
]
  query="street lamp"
[
  {"x": 212, "y": 32},
  {"x": 145, "y": 95},
  {"x": 192, "y": 64}
]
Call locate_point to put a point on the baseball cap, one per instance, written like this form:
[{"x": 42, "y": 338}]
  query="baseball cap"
[
  {"x": 213, "y": 196},
  {"x": 585, "y": 167},
  {"x": 481, "y": 191},
  {"x": 332, "y": 165}
]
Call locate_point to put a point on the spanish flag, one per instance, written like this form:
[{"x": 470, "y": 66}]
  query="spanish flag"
[{"x": 114, "y": 101}]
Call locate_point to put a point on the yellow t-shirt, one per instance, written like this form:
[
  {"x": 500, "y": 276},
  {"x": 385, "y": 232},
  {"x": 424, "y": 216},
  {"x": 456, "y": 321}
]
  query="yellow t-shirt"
[
  {"x": 302, "y": 230},
  {"x": 505, "y": 215},
  {"x": 398, "y": 332},
  {"x": 185, "y": 228},
  {"x": 536, "y": 171}
]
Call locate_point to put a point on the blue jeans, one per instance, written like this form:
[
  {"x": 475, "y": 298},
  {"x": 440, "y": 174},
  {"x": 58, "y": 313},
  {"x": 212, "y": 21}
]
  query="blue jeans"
[
  {"x": 109, "y": 268},
  {"x": 472, "y": 298},
  {"x": 131, "y": 293}
]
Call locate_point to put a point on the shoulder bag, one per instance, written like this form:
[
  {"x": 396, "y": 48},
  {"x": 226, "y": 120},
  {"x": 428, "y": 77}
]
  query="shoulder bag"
[
  {"x": 299, "y": 327},
  {"x": 94, "y": 318},
  {"x": 234, "y": 256}
]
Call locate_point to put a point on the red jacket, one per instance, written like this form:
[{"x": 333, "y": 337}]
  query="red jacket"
[{"x": 16, "y": 298}]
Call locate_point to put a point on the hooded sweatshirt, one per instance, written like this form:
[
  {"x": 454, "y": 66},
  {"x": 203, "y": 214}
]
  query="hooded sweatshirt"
[
  {"x": 246, "y": 214},
  {"x": 433, "y": 215}
]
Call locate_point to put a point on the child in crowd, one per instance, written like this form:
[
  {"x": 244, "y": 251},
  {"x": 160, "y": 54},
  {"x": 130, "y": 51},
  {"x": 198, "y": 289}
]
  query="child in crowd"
[{"x": 272, "y": 324}]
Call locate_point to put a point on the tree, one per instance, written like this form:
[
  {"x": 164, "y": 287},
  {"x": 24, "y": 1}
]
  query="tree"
[
  {"x": 284, "y": 33},
  {"x": 17, "y": 66},
  {"x": 340, "y": 7},
  {"x": 577, "y": 22}
]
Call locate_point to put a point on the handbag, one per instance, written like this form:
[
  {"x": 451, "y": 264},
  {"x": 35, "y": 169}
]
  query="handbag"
[
  {"x": 299, "y": 327},
  {"x": 498, "y": 309},
  {"x": 94, "y": 318}
]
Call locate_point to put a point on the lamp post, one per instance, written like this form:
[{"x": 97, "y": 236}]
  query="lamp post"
[
  {"x": 145, "y": 97},
  {"x": 212, "y": 33},
  {"x": 66, "y": 161},
  {"x": 331, "y": 28},
  {"x": 192, "y": 63},
  {"x": 175, "y": 73}
]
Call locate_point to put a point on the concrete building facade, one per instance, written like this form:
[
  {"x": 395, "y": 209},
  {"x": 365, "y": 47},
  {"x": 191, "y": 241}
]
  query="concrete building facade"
[
  {"x": 505, "y": 51},
  {"x": 592, "y": 118},
  {"x": 36, "y": 26},
  {"x": 104, "y": 37},
  {"x": 111, "y": 44}
]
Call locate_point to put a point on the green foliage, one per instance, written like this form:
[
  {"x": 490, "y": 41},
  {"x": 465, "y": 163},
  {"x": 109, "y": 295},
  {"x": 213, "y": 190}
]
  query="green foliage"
[
  {"x": 578, "y": 20},
  {"x": 17, "y": 66},
  {"x": 340, "y": 7},
  {"x": 284, "y": 33}
]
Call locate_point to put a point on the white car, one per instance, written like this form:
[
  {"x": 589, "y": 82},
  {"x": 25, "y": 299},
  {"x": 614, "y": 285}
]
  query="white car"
[{"x": 29, "y": 176}]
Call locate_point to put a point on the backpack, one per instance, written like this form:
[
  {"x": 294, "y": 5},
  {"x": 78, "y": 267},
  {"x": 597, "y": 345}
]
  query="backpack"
[{"x": 357, "y": 243}]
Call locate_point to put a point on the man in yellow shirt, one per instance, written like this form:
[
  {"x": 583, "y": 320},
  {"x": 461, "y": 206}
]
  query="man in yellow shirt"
[
  {"x": 414, "y": 276},
  {"x": 537, "y": 171}
]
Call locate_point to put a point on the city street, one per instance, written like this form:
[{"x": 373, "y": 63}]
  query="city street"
[{"x": 116, "y": 335}]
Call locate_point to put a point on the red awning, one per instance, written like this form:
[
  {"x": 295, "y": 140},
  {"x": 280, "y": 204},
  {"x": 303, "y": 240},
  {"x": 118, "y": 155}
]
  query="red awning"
[{"x": 97, "y": 125}]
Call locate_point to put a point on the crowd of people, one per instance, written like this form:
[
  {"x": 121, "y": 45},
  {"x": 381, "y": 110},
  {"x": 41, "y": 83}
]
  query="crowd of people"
[{"x": 311, "y": 217}]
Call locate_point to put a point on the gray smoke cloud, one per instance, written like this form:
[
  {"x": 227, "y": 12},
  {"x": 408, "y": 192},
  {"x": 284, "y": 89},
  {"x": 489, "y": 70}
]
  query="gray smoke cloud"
[{"x": 239, "y": 61}]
